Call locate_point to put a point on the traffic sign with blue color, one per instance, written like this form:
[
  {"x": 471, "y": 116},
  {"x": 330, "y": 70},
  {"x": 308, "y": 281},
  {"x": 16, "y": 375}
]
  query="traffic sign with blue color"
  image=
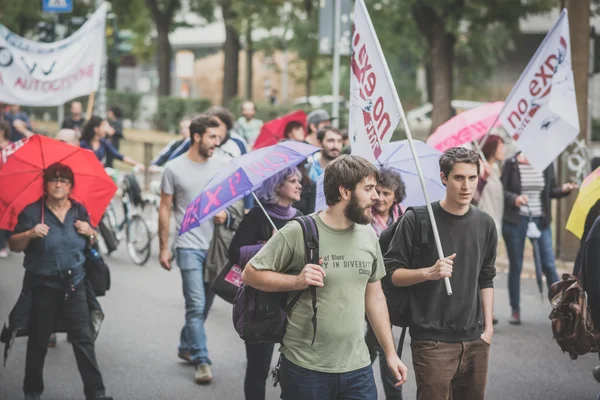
[{"x": 57, "y": 6}]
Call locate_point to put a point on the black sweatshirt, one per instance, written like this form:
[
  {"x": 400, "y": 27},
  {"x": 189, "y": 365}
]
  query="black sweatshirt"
[{"x": 434, "y": 314}]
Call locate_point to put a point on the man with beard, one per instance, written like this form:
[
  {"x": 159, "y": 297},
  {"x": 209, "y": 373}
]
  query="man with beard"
[
  {"x": 331, "y": 141},
  {"x": 183, "y": 180},
  {"x": 451, "y": 335},
  {"x": 337, "y": 365}
]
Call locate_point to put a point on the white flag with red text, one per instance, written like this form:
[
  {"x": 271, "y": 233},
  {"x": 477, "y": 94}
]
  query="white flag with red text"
[
  {"x": 50, "y": 74},
  {"x": 541, "y": 110},
  {"x": 374, "y": 113}
]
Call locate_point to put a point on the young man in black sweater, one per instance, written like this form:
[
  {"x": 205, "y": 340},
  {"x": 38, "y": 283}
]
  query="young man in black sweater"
[{"x": 451, "y": 335}]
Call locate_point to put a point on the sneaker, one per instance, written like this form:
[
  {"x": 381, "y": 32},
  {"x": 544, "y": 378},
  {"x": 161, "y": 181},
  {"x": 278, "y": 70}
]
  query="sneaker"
[
  {"x": 3, "y": 253},
  {"x": 515, "y": 319},
  {"x": 203, "y": 374},
  {"x": 52, "y": 341},
  {"x": 185, "y": 356}
]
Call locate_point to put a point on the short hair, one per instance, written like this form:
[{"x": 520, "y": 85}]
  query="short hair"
[
  {"x": 456, "y": 155},
  {"x": 117, "y": 111},
  {"x": 223, "y": 114},
  {"x": 391, "y": 179},
  {"x": 290, "y": 127},
  {"x": 58, "y": 170},
  {"x": 323, "y": 131},
  {"x": 5, "y": 127},
  {"x": 267, "y": 192},
  {"x": 344, "y": 133},
  {"x": 68, "y": 136},
  {"x": 249, "y": 102},
  {"x": 201, "y": 123},
  {"x": 491, "y": 145},
  {"x": 346, "y": 171}
]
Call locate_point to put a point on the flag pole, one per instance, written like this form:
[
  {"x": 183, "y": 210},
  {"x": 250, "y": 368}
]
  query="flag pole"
[
  {"x": 409, "y": 137},
  {"x": 90, "y": 106}
]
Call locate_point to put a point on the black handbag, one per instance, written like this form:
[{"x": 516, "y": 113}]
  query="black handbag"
[
  {"x": 96, "y": 271},
  {"x": 228, "y": 282}
]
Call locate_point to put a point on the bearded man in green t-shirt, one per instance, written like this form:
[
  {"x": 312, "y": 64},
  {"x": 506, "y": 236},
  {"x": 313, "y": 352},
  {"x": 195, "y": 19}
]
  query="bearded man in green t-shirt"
[{"x": 337, "y": 365}]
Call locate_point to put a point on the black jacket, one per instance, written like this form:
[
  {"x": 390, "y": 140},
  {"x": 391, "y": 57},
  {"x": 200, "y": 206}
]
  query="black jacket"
[{"x": 511, "y": 180}]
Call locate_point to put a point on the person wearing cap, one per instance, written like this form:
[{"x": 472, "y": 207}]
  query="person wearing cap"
[{"x": 316, "y": 120}]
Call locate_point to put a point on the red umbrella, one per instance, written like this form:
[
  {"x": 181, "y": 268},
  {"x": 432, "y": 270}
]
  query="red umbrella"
[
  {"x": 272, "y": 132},
  {"x": 22, "y": 166}
]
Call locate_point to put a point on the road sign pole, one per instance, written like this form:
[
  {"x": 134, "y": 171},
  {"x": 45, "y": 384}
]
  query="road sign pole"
[{"x": 100, "y": 103}]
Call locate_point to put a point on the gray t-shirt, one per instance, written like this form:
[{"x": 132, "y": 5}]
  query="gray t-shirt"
[{"x": 185, "y": 180}]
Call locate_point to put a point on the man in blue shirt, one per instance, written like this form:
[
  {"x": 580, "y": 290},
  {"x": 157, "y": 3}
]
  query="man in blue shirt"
[{"x": 20, "y": 126}]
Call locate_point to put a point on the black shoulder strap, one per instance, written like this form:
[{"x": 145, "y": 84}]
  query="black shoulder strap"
[
  {"x": 422, "y": 230},
  {"x": 311, "y": 246}
]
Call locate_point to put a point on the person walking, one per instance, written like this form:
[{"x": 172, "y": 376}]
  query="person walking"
[
  {"x": 489, "y": 196},
  {"x": 19, "y": 123},
  {"x": 175, "y": 148},
  {"x": 451, "y": 335},
  {"x": 337, "y": 364},
  {"x": 94, "y": 139},
  {"x": 76, "y": 120},
  {"x": 386, "y": 211},
  {"x": 316, "y": 120},
  {"x": 330, "y": 141},
  {"x": 4, "y": 142},
  {"x": 183, "y": 180},
  {"x": 527, "y": 194},
  {"x": 277, "y": 195},
  {"x": 53, "y": 232},
  {"x": 115, "y": 120},
  {"x": 247, "y": 125}
]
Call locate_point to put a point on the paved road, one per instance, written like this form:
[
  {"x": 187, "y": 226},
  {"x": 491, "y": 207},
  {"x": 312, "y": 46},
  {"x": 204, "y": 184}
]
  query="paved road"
[{"x": 144, "y": 312}]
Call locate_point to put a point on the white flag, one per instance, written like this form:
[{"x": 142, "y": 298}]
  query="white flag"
[
  {"x": 541, "y": 110},
  {"x": 374, "y": 110},
  {"x": 51, "y": 74}
]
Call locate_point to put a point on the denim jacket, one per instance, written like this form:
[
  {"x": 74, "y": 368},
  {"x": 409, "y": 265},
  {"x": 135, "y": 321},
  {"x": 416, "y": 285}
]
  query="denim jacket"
[{"x": 58, "y": 258}]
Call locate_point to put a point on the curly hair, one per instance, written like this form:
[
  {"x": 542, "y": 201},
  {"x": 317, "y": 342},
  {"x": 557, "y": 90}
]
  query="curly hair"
[{"x": 391, "y": 179}]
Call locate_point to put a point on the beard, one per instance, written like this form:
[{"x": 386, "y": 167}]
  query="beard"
[
  {"x": 355, "y": 213},
  {"x": 205, "y": 152}
]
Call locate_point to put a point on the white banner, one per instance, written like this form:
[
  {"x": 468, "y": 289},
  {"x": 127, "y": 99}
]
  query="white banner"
[
  {"x": 374, "y": 111},
  {"x": 541, "y": 110},
  {"x": 50, "y": 74}
]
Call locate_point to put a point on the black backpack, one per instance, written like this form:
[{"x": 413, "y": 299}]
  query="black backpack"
[
  {"x": 261, "y": 317},
  {"x": 398, "y": 297}
]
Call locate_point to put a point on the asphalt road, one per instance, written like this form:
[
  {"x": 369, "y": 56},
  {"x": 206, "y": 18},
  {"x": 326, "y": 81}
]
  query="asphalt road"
[{"x": 144, "y": 311}]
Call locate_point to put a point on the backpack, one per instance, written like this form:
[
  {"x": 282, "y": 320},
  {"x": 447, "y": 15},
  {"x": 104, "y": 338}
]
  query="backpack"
[
  {"x": 261, "y": 317},
  {"x": 572, "y": 325},
  {"x": 398, "y": 297}
]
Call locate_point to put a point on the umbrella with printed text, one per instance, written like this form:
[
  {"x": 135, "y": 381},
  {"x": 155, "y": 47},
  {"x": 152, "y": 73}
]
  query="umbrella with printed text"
[
  {"x": 272, "y": 131},
  {"x": 241, "y": 177},
  {"x": 22, "y": 166}
]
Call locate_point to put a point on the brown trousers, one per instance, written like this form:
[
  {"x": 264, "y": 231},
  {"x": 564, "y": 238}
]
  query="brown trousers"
[{"x": 450, "y": 371}]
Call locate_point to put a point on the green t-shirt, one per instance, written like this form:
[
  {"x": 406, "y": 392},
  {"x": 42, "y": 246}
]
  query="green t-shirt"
[{"x": 351, "y": 259}]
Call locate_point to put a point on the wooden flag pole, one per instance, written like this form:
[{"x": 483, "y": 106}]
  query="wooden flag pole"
[{"x": 90, "y": 106}]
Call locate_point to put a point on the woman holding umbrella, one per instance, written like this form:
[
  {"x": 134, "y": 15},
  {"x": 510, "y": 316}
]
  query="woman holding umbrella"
[
  {"x": 94, "y": 138},
  {"x": 53, "y": 232},
  {"x": 277, "y": 194}
]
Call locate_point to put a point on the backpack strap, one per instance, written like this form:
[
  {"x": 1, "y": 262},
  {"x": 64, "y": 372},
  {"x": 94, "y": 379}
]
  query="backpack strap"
[
  {"x": 421, "y": 237},
  {"x": 311, "y": 246}
]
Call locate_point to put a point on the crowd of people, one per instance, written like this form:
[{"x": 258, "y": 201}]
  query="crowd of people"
[{"x": 451, "y": 337}]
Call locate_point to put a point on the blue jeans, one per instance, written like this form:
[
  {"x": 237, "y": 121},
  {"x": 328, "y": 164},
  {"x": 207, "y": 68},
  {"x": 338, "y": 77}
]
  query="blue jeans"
[
  {"x": 299, "y": 383},
  {"x": 3, "y": 239},
  {"x": 514, "y": 237},
  {"x": 193, "y": 335}
]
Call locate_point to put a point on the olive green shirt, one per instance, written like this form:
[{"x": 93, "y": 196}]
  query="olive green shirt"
[{"x": 351, "y": 259}]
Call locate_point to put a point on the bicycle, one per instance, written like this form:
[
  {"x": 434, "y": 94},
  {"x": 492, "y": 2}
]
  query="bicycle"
[{"x": 137, "y": 234}]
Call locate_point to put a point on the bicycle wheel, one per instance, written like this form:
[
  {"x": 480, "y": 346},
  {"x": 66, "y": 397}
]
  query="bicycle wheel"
[{"x": 139, "y": 240}]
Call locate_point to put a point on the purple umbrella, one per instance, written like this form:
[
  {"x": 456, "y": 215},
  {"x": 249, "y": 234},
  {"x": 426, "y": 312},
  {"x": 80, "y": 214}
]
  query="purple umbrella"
[
  {"x": 397, "y": 156},
  {"x": 243, "y": 176}
]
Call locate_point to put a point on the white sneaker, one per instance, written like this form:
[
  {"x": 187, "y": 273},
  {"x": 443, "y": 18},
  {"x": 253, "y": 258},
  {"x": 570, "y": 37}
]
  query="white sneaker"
[
  {"x": 203, "y": 374},
  {"x": 3, "y": 253}
]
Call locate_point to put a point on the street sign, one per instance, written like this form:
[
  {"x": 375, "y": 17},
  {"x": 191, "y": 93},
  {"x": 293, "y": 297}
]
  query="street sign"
[
  {"x": 326, "y": 24},
  {"x": 57, "y": 6}
]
